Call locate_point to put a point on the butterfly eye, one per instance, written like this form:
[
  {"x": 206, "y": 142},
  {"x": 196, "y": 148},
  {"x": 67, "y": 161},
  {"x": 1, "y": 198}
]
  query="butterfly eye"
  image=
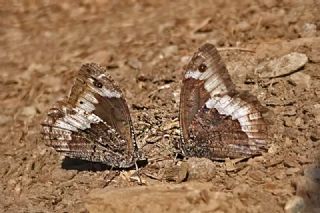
[
  {"x": 202, "y": 67},
  {"x": 97, "y": 84}
]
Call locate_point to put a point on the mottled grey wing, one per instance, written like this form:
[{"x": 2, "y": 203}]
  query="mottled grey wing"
[
  {"x": 94, "y": 123},
  {"x": 216, "y": 120}
]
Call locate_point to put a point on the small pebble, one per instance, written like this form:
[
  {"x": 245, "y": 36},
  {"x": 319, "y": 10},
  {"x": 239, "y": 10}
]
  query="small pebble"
[
  {"x": 243, "y": 26},
  {"x": 282, "y": 66},
  {"x": 292, "y": 171},
  {"x": 295, "y": 205},
  {"x": 134, "y": 63},
  {"x": 169, "y": 51},
  {"x": 309, "y": 30},
  {"x": 301, "y": 79},
  {"x": 29, "y": 111},
  {"x": 201, "y": 169},
  {"x": 4, "y": 119}
]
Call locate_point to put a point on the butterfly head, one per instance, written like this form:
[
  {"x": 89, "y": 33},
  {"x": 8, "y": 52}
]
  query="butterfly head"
[
  {"x": 100, "y": 82},
  {"x": 200, "y": 64}
]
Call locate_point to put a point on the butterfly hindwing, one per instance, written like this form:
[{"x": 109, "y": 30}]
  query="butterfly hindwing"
[
  {"x": 94, "y": 123},
  {"x": 216, "y": 120}
]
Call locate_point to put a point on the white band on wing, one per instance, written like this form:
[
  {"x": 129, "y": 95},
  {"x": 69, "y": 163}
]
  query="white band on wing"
[
  {"x": 193, "y": 74},
  {"x": 110, "y": 93}
]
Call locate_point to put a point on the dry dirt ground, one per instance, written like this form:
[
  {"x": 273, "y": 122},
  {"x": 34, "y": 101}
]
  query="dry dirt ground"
[{"x": 144, "y": 45}]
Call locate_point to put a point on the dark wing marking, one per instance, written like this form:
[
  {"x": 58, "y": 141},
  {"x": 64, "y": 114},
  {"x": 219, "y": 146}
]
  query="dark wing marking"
[
  {"x": 216, "y": 120},
  {"x": 94, "y": 123}
]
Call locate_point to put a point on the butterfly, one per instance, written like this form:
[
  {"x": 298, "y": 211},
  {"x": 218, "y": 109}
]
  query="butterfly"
[
  {"x": 94, "y": 122},
  {"x": 216, "y": 120}
]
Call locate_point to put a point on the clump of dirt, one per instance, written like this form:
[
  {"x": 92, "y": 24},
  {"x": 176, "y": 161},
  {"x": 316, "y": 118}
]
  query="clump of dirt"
[{"x": 144, "y": 45}]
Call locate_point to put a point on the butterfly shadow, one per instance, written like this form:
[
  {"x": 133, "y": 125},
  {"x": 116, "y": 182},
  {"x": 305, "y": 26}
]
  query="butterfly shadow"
[{"x": 83, "y": 165}]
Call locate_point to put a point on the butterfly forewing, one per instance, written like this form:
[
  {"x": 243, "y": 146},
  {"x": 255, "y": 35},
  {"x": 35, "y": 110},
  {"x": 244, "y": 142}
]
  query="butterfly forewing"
[
  {"x": 216, "y": 120},
  {"x": 94, "y": 123}
]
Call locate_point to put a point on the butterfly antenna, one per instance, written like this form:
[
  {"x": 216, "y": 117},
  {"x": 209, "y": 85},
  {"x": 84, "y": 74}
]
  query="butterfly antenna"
[{"x": 138, "y": 173}]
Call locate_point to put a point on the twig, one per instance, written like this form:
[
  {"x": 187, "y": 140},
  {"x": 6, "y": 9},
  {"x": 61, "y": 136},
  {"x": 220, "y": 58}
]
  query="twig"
[
  {"x": 236, "y": 48},
  {"x": 152, "y": 176}
]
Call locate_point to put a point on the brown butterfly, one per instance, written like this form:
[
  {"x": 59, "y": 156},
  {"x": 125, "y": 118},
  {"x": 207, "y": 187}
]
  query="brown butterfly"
[
  {"x": 94, "y": 123},
  {"x": 216, "y": 120}
]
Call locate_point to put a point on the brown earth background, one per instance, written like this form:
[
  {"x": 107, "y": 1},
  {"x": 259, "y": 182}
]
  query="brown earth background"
[{"x": 144, "y": 45}]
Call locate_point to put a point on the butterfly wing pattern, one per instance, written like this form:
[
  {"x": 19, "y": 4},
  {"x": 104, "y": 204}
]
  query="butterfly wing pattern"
[
  {"x": 216, "y": 120},
  {"x": 94, "y": 123}
]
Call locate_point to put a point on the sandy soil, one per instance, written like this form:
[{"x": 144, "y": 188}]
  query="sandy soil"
[{"x": 145, "y": 44}]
